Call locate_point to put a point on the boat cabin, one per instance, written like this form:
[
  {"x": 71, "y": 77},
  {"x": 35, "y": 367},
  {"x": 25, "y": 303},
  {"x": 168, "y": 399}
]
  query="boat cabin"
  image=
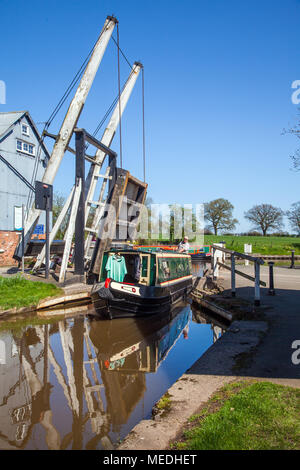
[{"x": 145, "y": 267}]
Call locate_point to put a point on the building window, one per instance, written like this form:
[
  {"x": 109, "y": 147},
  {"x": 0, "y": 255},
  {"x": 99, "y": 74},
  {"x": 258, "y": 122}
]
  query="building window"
[
  {"x": 25, "y": 129},
  {"x": 24, "y": 147}
]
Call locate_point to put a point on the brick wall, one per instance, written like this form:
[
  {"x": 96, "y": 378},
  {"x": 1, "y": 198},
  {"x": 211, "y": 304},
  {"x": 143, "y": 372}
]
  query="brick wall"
[{"x": 8, "y": 243}]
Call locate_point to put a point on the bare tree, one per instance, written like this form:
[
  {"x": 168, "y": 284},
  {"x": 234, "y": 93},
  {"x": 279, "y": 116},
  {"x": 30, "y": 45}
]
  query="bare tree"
[
  {"x": 218, "y": 213},
  {"x": 265, "y": 217},
  {"x": 296, "y": 156},
  {"x": 294, "y": 217}
]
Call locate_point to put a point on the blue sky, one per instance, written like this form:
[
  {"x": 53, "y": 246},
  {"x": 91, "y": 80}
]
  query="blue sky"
[{"x": 218, "y": 78}]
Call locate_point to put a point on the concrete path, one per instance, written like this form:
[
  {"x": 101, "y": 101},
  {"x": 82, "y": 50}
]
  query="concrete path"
[
  {"x": 249, "y": 349},
  {"x": 273, "y": 358}
]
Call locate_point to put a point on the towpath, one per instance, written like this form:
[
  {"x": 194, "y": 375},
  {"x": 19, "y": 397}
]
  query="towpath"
[
  {"x": 273, "y": 357},
  {"x": 257, "y": 349}
]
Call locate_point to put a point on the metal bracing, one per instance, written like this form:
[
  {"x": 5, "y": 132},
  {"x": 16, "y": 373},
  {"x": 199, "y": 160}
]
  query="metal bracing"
[
  {"x": 70, "y": 232},
  {"x": 71, "y": 119}
]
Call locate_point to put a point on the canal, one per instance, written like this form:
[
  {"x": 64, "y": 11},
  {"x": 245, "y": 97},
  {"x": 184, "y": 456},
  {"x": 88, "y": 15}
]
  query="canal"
[{"x": 85, "y": 382}]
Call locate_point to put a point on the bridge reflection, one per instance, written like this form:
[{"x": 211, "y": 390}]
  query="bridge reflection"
[{"x": 78, "y": 383}]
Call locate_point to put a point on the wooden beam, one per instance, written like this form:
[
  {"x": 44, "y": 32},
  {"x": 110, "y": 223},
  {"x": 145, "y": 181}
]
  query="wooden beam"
[
  {"x": 213, "y": 307},
  {"x": 240, "y": 273},
  {"x": 238, "y": 255}
]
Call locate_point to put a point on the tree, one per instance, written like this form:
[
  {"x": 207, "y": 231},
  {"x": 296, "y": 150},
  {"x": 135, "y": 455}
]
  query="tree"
[
  {"x": 296, "y": 157},
  {"x": 150, "y": 218},
  {"x": 183, "y": 222},
  {"x": 294, "y": 216},
  {"x": 218, "y": 213},
  {"x": 58, "y": 204},
  {"x": 265, "y": 217}
]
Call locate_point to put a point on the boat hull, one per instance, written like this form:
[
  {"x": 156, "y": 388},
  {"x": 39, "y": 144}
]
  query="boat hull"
[{"x": 130, "y": 300}]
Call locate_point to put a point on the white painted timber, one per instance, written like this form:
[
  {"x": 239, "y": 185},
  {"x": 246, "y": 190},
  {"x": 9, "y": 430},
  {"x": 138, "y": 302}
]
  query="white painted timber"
[
  {"x": 108, "y": 135},
  {"x": 62, "y": 215},
  {"x": 73, "y": 114},
  {"x": 70, "y": 232}
]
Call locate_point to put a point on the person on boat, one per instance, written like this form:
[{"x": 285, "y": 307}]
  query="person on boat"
[
  {"x": 184, "y": 246},
  {"x": 185, "y": 332}
]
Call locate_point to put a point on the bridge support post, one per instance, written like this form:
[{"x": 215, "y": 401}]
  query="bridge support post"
[
  {"x": 232, "y": 275},
  {"x": 80, "y": 217}
]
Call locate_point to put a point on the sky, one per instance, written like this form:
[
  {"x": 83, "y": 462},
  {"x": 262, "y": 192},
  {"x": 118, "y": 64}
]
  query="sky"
[{"x": 218, "y": 88}]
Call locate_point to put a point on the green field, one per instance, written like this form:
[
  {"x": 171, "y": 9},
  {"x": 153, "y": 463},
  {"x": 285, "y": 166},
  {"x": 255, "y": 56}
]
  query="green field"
[{"x": 260, "y": 245}]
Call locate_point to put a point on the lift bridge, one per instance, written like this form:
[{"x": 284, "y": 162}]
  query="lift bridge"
[{"x": 119, "y": 190}]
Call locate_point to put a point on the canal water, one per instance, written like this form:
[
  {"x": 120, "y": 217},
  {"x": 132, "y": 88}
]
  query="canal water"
[{"x": 85, "y": 382}]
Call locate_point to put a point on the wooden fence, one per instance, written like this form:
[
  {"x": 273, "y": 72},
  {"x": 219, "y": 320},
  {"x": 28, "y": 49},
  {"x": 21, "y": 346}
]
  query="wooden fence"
[{"x": 218, "y": 259}]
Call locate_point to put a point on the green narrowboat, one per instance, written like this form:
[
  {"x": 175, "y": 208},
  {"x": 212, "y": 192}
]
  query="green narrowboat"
[{"x": 141, "y": 282}]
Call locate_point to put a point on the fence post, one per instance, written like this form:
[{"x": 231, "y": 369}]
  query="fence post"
[
  {"x": 215, "y": 264},
  {"x": 232, "y": 275},
  {"x": 292, "y": 259},
  {"x": 247, "y": 251},
  {"x": 271, "y": 278},
  {"x": 257, "y": 286},
  {"x": 216, "y": 255}
]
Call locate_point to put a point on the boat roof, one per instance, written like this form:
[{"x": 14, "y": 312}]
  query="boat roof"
[{"x": 151, "y": 251}]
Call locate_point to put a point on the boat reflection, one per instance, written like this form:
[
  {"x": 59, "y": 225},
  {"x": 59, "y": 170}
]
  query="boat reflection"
[
  {"x": 73, "y": 384},
  {"x": 126, "y": 349}
]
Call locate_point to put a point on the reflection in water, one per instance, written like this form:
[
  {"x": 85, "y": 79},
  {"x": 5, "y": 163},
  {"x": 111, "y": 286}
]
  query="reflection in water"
[
  {"x": 218, "y": 326},
  {"x": 83, "y": 383}
]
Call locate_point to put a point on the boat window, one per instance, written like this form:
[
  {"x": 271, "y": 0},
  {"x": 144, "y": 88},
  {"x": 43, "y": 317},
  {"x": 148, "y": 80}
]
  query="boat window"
[
  {"x": 173, "y": 267},
  {"x": 181, "y": 268},
  {"x": 163, "y": 269},
  {"x": 186, "y": 266}
]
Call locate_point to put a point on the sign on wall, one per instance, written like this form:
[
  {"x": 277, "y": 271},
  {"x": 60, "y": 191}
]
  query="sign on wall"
[
  {"x": 39, "y": 229},
  {"x": 18, "y": 217}
]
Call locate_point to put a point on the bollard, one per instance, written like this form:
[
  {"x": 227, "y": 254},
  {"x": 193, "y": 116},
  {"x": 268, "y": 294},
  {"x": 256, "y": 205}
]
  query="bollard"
[
  {"x": 212, "y": 258},
  {"x": 292, "y": 259},
  {"x": 247, "y": 251},
  {"x": 215, "y": 266},
  {"x": 271, "y": 278},
  {"x": 257, "y": 286},
  {"x": 232, "y": 275}
]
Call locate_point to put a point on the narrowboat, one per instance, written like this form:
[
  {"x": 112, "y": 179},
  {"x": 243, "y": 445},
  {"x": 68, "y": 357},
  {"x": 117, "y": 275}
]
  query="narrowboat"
[
  {"x": 137, "y": 344},
  {"x": 141, "y": 282}
]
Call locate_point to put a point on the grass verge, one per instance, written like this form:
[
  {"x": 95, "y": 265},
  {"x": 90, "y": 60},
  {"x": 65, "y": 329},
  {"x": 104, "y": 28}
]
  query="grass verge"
[
  {"x": 18, "y": 292},
  {"x": 18, "y": 326},
  {"x": 163, "y": 406},
  {"x": 246, "y": 415}
]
